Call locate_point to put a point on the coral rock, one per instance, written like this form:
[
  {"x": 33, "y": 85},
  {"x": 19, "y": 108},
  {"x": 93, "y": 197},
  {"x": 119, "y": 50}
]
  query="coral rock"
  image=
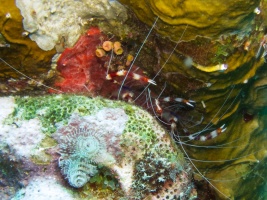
[
  {"x": 205, "y": 18},
  {"x": 48, "y": 22},
  {"x": 109, "y": 146},
  {"x": 43, "y": 188}
]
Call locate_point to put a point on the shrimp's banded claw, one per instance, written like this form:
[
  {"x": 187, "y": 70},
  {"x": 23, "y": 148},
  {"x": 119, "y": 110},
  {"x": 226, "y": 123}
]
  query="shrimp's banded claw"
[
  {"x": 151, "y": 81},
  {"x": 167, "y": 115},
  {"x": 133, "y": 75},
  {"x": 187, "y": 102},
  {"x": 180, "y": 100},
  {"x": 158, "y": 108}
]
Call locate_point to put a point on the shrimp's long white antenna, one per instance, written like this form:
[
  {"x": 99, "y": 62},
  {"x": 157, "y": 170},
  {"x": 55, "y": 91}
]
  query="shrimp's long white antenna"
[
  {"x": 109, "y": 62},
  {"x": 208, "y": 126},
  {"x": 29, "y": 77},
  {"x": 228, "y": 96},
  {"x": 164, "y": 62},
  {"x": 162, "y": 90},
  {"x": 181, "y": 144},
  {"x": 233, "y": 159},
  {"x": 137, "y": 56}
]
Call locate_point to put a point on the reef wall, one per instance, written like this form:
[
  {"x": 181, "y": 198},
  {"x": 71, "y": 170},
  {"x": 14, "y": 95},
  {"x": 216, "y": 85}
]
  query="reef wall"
[
  {"x": 213, "y": 53},
  {"x": 202, "y": 18},
  {"x": 19, "y": 51}
]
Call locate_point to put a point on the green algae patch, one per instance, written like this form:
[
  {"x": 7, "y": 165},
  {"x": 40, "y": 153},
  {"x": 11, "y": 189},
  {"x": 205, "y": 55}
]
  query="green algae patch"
[
  {"x": 105, "y": 182},
  {"x": 53, "y": 109}
]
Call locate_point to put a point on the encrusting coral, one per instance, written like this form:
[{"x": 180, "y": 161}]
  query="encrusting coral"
[{"x": 98, "y": 136}]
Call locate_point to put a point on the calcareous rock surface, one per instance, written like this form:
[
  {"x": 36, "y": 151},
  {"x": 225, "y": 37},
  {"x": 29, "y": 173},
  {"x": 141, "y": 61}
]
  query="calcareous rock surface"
[
  {"x": 49, "y": 22},
  {"x": 205, "y": 18},
  {"x": 108, "y": 149}
]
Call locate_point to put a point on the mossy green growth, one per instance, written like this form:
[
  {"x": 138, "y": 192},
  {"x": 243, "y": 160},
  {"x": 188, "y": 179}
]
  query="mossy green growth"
[
  {"x": 102, "y": 185},
  {"x": 53, "y": 110}
]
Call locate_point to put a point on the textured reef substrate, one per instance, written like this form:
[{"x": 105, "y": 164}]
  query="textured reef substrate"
[
  {"x": 234, "y": 95},
  {"x": 106, "y": 148}
]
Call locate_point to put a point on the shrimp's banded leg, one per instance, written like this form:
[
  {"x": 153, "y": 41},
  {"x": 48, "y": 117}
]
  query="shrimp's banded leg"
[{"x": 211, "y": 135}]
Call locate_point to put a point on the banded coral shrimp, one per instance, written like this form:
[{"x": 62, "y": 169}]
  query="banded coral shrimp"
[
  {"x": 217, "y": 131},
  {"x": 183, "y": 141},
  {"x": 237, "y": 157},
  {"x": 223, "y": 160},
  {"x": 230, "y": 106}
]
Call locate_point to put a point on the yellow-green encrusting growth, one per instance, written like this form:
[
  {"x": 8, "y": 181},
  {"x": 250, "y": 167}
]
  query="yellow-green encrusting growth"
[
  {"x": 142, "y": 155},
  {"x": 205, "y": 18},
  {"x": 56, "y": 108}
]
